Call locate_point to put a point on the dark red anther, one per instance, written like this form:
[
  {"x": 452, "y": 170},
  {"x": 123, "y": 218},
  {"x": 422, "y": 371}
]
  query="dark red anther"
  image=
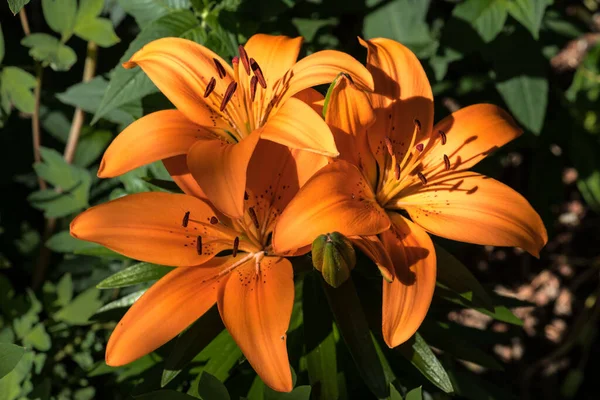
[
  {"x": 253, "y": 217},
  {"x": 199, "y": 245},
  {"x": 422, "y": 178},
  {"x": 388, "y": 144},
  {"x": 253, "y": 83},
  {"x": 447, "y": 162},
  {"x": 443, "y": 135},
  {"x": 236, "y": 244},
  {"x": 418, "y": 123},
  {"x": 258, "y": 73},
  {"x": 220, "y": 68},
  {"x": 186, "y": 219},
  {"x": 246, "y": 197},
  {"x": 235, "y": 60},
  {"x": 397, "y": 171},
  {"x": 228, "y": 94},
  {"x": 214, "y": 220},
  {"x": 420, "y": 147},
  {"x": 210, "y": 87},
  {"x": 244, "y": 58}
]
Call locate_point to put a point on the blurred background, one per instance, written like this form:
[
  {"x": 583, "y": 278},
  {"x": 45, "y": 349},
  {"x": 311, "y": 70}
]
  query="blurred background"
[{"x": 539, "y": 59}]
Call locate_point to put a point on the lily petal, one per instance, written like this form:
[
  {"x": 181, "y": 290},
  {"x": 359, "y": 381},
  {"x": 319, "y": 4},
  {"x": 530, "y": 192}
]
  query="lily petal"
[
  {"x": 470, "y": 134},
  {"x": 298, "y": 126},
  {"x": 337, "y": 198},
  {"x": 274, "y": 54},
  {"x": 153, "y": 137},
  {"x": 473, "y": 208},
  {"x": 179, "y": 171},
  {"x": 149, "y": 227},
  {"x": 182, "y": 69},
  {"x": 166, "y": 309},
  {"x": 313, "y": 98},
  {"x": 256, "y": 303},
  {"x": 220, "y": 169},
  {"x": 406, "y": 300},
  {"x": 375, "y": 250}
]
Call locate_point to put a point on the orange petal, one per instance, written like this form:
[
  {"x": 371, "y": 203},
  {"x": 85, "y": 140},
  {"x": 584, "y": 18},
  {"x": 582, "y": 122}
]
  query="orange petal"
[
  {"x": 298, "y": 126},
  {"x": 337, "y": 198},
  {"x": 406, "y": 300},
  {"x": 274, "y": 54},
  {"x": 166, "y": 309},
  {"x": 473, "y": 208},
  {"x": 178, "y": 169},
  {"x": 182, "y": 69},
  {"x": 313, "y": 98},
  {"x": 470, "y": 134},
  {"x": 149, "y": 227},
  {"x": 153, "y": 137},
  {"x": 220, "y": 169},
  {"x": 256, "y": 303},
  {"x": 374, "y": 249}
]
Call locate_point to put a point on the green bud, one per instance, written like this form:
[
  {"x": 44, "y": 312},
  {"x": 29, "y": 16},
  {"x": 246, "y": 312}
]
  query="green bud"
[{"x": 333, "y": 256}]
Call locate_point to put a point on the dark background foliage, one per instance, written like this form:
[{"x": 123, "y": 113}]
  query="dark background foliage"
[{"x": 529, "y": 330}]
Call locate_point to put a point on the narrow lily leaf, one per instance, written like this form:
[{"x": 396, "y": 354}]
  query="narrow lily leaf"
[
  {"x": 415, "y": 394},
  {"x": 123, "y": 302},
  {"x": 328, "y": 94},
  {"x": 417, "y": 351},
  {"x": 169, "y": 186},
  {"x": 354, "y": 329},
  {"x": 10, "y": 355},
  {"x": 100, "y": 251},
  {"x": 138, "y": 273},
  {"x": 211, "y": 388}
]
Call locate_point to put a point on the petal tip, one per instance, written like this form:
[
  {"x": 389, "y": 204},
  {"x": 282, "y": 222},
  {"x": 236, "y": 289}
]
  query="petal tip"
[{"x": 129, "y": 64}]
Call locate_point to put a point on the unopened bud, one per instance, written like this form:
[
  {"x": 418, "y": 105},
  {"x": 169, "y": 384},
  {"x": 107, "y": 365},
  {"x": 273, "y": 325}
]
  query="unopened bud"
[{"x": 333, "y": 256}]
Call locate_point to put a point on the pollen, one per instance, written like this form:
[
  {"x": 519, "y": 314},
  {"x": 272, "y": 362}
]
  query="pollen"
[
  {"x": 253, "y": 217},
  {"x": 210, "y": 87},
  {"x": 253, "y": 83},
  {"x": 228, "y": 94},
  {"x": 443, "y": 136},
  {"x": 258, "y": 73},
  {"x": 186, "y": 219},
  {"x": 199, "y": 245},
  {"x": 220, "y": 68},
  {"x": 446, "y": 162},
  {"x": 236, "y": 244},
  {"x": 422, "y": 178},
  {"x": 244, "y": 58}
]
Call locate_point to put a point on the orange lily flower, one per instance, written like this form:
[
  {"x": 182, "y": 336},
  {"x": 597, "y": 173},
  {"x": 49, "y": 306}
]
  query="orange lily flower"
[
  {"x": 394, "y": 162},
  {"x": 223, "y": 110},
  {"x": 252, "y": 286}
]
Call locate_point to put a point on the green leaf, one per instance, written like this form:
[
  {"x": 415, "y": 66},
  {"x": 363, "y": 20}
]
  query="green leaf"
[
  {"x": 453, "y": 275},
  {"x": 60, "y": 16},
  {"x": 138, "y": 273},
  {"x": 50, "y": 51},
  {"x": 10, "y": 355},
  {"x": 64, "y": 290},
  {"x": 89, "y": 9},
  {"x": 98, "y": 30},
  {"x": 165, "y": 395},
  {"x": 529, "y": 13},
  {"x": 526, "y": 97},
  {"x": 415, "y": 394},
  {"x": 90, "y": 147},
  {"x": 299, "y": 393},
  {"x": 417, "y": 351},
  {"x": 123, "y": 302},
  {"x": 15, "y": 88},
  {"x": 79, "y": 311},
  {"x": 1, "y": 45},
  {"x": 63, "y": 242},
  {"x": 16, "y": 5},
  {"x": 147, "y": 11},
  {"x": 127, "y": 85},
  {"x": 210, "y": 388},
  {"x": 38, "y": 338},
  {"x": 487, "y": 17}
]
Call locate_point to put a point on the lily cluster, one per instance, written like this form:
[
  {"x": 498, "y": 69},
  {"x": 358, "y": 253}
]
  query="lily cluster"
[{"x": 263, "y": 175}]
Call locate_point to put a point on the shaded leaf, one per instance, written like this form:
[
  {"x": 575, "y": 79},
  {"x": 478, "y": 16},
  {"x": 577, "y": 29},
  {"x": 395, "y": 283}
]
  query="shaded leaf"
[
  {"x": 38, "y": 338},
  {"x": 16, "y": 5},
  {"x": 15, "y": 89},
  {"x": 50, "y": 51},
  {"x": 146, "y": 11},
  {"x": 90, "y": 147},
  {"x": 529, "y": 13},
  {"x": 2, "y": 48},
  {"x": 63, "y": 242},
  {"x": 98, "y": 30},
  {"x": 60, "y": 15},
  {"x": 165, "y": 395},
  {"x": 486, "y": 16},
  {"x": 10, "y": 355},
  {"x": 123, "y": 302},
  {"x": 79, "y": 311},
  {"x": 138, "y": 273},
  {"x": 64, "y": 290},
  {"x": 210, "y": 388}
]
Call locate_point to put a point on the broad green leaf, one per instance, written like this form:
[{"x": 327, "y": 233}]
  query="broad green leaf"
[
  {"x": 125, "y": 301},
  {"x": 1, "y": 45},
  {"x": 98, "y": 30},
  {"x": 12, "y": 384},
  {"x": 90, "y": 147},
  {"x": 526, "y": 97},
  {"x": 529, "y": 13},
  {"x": 210, "y": 388},
  {"x": 79, "y": 311},
  {"x": 63, "y": 242},
  {"x": 10, "y": 355},
  {"x": 415, "y": 394},
  {"x": 15, "y": 89},
  {"x": 308, "y": 28},
  {"x": 60, "y": 16},
  {"x": 146, "y": 11},
  {"x": 417, "y": 351},
  {"x": 89, "y": 9},
  {"x": 452, "y": 274},
  {"x": 127, "y": 85},
  {"x": 50, "y": 51},
  {"x": 487, "y": 17},
  {"x": 165, "y": 395},
  {"x": 138, "y": 273},
  {"x": 38, "y": 338},
  {"x": 64, "y": 290},
  {"x": 16, "y": 5}
]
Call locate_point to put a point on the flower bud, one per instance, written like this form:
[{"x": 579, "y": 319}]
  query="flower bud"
[{"x": 334, "y": 256}]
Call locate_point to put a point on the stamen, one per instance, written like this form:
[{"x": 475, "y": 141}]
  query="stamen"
[
  {"x": 397, "y": 171},
  {"x": 210, "y": 87},
  {"x": 214, "y": 220},
  {"x": 186, "y": 219},
  {"x": 418, "y": 123},
  {"x": 235, "y": 60},
  {"x": 236, "y": 244},
  {"x": 199, "y": 245},
  {"x": 443, "y": 135},
  {"x": 228, "y": 94},
  {"x": 244, "y": 58},
  {"x": 246, "y": 197},
  {"x": 253, "y": 217},
  {"x": 420, "y": 147},
  {"x": 253, "y": 83},
  {"x": 258, "y": 73},
  {"x": 422, "y": 178},
  {"x": 220, "y": 68},
  {"x": 388, "y": 144},
  {"x": 446, "y": 162}
]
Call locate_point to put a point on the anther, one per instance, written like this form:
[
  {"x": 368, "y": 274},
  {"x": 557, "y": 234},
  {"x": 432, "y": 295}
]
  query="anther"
[
  {"x": 214, "y": 220},
  {"x": 199, "y": 245},
  {"x": 210, "y": 87},
  {"x": 418, "y": 123},
  {"x": 397, "y": 171},
  {"x": 246, "y": 197},
  {"x": 443, "y": 135},
  {"x": 253, "y": 217},
  {"x": 253, "y": 83},
  {"x": 220, "y": 68},
  {"x": 236, "y": 244},
  {"x": 258, "y": 73},
  {"x": 228, "y": 94},
  {"x": 186, "y": 219},
  {"x": 244, "y": 58},
  {"x": 235, "y": 60},
  {"x": 446, "y": 162},
  {"x": 422, "y": 178},
  {"x": 388, "y": 144},
  {"x": 420, "y": 147}
]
